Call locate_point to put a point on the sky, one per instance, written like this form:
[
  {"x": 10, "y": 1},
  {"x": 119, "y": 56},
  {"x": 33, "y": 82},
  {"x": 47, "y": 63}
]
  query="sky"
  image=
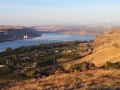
[{"x": 59, "y": 12}]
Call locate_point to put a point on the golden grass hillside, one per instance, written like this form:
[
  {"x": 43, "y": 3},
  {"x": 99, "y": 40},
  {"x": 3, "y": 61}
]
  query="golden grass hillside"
[
  {"x": 88, "y": 80},
  {"x": 106, "y": 48}
]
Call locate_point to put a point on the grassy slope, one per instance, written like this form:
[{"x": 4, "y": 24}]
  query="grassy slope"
[
  {"x": 87, "y": 80},
  {"x": 107, "y": 48}
]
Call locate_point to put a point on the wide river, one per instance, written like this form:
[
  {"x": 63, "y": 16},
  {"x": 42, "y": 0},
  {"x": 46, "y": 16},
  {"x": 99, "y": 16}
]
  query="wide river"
[{"x": 45, "y": 38}]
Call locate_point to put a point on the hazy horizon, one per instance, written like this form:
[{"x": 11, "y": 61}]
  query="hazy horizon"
[{"x": 60, "y": 12}]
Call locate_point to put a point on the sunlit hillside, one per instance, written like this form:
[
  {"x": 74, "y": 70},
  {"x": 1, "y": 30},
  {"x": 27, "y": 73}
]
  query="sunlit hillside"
[{"x": 106, "y": 48}]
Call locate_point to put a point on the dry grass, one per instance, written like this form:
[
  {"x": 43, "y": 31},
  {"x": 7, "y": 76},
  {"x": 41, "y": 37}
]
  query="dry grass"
[
  {"x": 87, "y": 80},
  {"x": 107, "y": 48},
  {"x": 62, "y": 60}
]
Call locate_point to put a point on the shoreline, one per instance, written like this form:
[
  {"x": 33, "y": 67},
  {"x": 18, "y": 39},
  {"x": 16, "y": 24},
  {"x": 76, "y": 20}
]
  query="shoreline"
[
  {"x": 13, "y": 39},
  {"x": 40, "y": 34},
  {"x": 32, "y": 43}
]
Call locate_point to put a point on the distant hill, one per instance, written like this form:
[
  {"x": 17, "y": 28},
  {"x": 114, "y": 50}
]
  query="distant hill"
[
  {"x": 8, "y": 32},
  {"x": 79, "y": 30},
  {"x": 2, "y": 27},
  {"x": 16, "y": 32}
]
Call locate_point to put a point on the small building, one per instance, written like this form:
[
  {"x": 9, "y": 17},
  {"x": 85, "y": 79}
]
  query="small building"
[
  {"x": 27, "y": 57},
  {"x": 68, "y": 51},
  {"x": 84, "y": 44},
  {"x": 25, "y": 37},
  {"x": 56, "y": 51},
  {"x": 3, "y": 66},
  {"x": 7, "y": 61}
]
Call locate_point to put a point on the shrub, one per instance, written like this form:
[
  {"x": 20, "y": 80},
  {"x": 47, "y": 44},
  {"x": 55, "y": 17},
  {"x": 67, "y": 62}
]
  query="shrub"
[
  {"x": 108, "y": 65},
  {"x": 54, "y": 69},
  {"x": 11, "y": 76},
  {"x": 77, "y": 66},
  {"x": 5, "y": 70},
  {"x": 82, "y": 66},
  {"x": 112, "y": 65},
  {"x": 30, "y": 74}
]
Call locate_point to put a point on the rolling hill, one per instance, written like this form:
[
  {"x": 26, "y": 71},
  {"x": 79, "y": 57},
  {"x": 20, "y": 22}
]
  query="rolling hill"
[{"x": 106, "y": 48}]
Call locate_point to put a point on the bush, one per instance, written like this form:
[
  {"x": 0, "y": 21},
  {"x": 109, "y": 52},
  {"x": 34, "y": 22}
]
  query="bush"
[
  {"x": 112, "y": 65},
  {"x": 30, "y": 74},
  {"x": 11, "y": 76},
  {"x": 82, "y": 66},
  {"x": 5, "y": 70},
  {"x": 54, "y": 69},
  {"x": 77, "y": 66},
  {"x": 108, "y": 65}
]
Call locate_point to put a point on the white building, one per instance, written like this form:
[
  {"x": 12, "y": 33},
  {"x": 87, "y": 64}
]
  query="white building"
[
  {"x": 3, "y": 66},
  {"x": 25, "y": 37}
]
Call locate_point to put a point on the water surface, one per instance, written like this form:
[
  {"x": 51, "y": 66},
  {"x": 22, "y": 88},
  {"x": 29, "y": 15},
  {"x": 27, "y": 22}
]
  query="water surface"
[{"x": 45, "y": 38}]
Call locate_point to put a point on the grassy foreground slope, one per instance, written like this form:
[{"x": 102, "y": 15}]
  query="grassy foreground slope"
[{"x": 87, "y": 80}]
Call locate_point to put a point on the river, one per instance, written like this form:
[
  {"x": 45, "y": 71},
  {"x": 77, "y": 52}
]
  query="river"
[{"x": 45, "y": 38}]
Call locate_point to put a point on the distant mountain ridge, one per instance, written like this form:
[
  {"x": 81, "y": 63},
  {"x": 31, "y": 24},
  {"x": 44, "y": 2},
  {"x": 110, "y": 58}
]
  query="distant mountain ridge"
[
  {"x": 8, "y": 32},
  {"x": 92, "y": 30},
  {"x": 74, "y": 30},
  {"x": 11, "y": 27}
]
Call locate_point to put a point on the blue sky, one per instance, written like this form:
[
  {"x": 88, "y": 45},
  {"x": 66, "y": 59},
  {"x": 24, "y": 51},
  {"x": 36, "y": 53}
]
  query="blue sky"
[{"x": 59, "y": 12}]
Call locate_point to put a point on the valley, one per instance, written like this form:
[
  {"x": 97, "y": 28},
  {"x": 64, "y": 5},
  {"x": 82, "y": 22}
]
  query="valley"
[{"x": 76, "y": 65}]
